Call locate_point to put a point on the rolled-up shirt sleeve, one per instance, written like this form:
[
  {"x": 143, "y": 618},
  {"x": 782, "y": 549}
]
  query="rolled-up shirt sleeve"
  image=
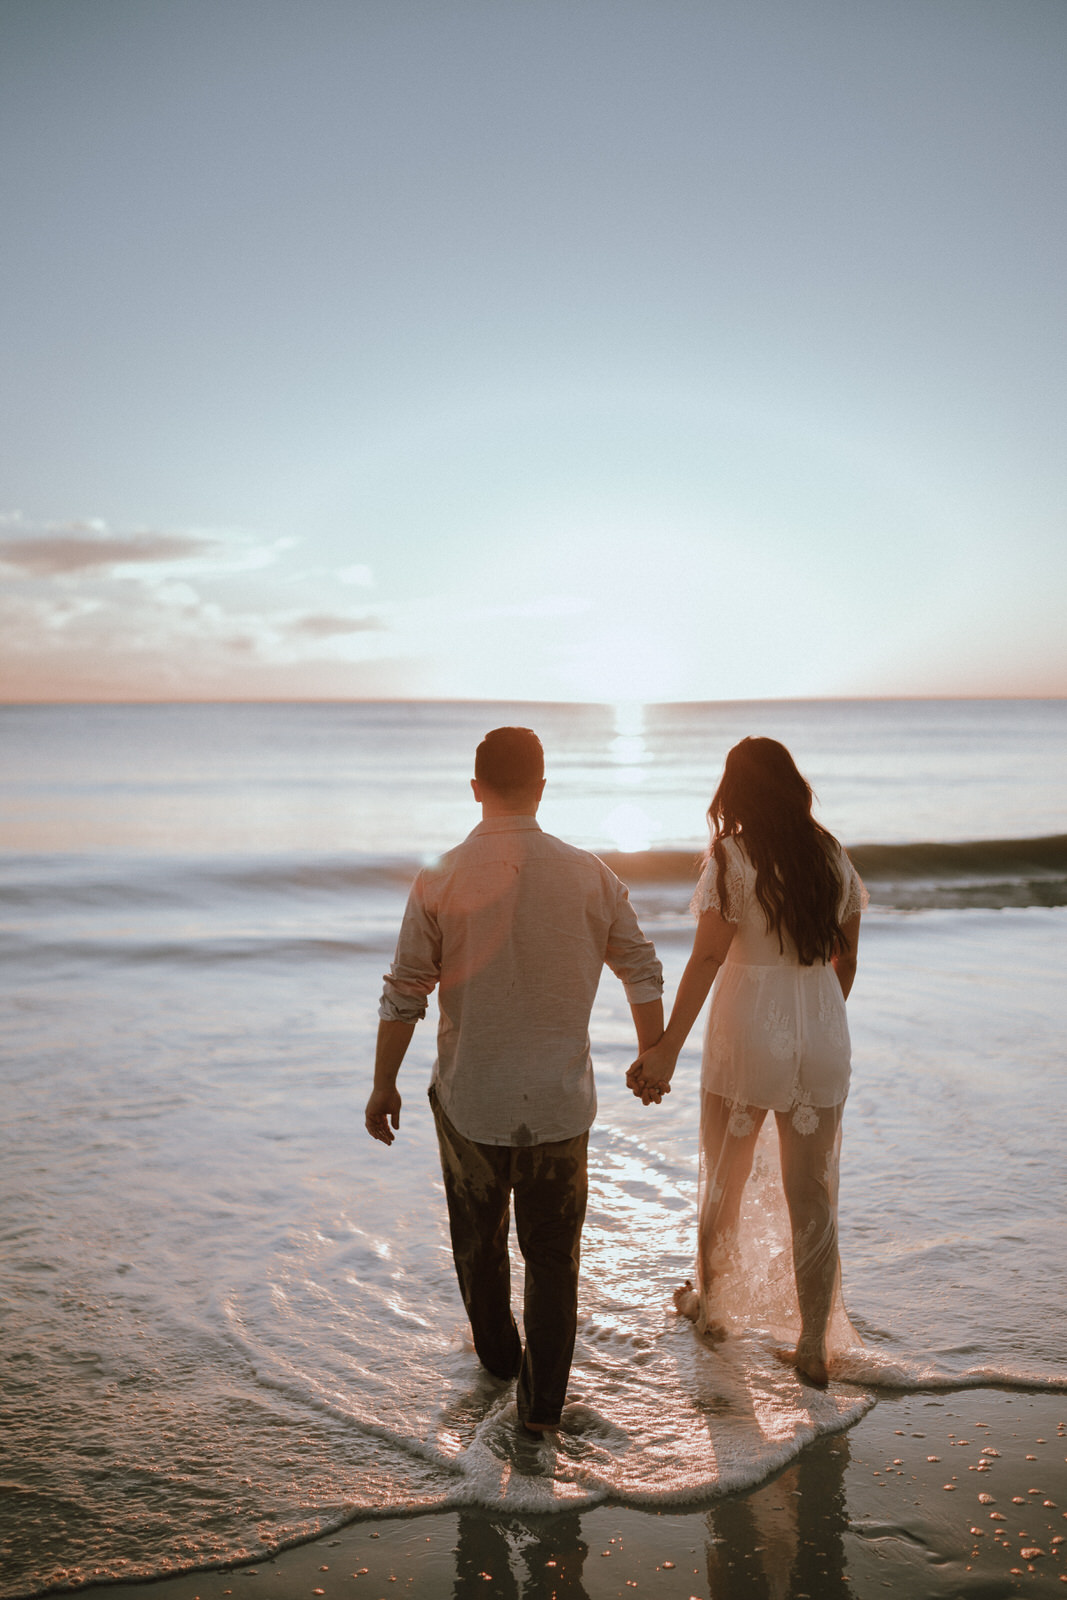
[
  {"x": 416, "y": 965},
  {"x": 631, "y": 956}
]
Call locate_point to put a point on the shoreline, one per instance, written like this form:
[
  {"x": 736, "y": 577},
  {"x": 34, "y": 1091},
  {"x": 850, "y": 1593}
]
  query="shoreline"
[{"x": 891, "y": 1503}]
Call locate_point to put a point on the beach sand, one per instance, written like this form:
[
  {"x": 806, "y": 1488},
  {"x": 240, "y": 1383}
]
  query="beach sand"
[{"x": 928, "y": 1495}]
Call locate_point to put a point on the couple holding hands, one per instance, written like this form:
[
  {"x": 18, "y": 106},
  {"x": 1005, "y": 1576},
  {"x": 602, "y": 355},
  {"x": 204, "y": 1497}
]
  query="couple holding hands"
[{"x": 513, "y": 927}]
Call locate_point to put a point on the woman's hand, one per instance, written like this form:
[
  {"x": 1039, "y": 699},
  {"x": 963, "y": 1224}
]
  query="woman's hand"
[{"x": 650, "y": 1075}]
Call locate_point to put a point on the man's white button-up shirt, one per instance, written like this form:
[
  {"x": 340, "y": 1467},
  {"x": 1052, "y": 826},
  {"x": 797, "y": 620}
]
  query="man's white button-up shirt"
[{"x": 515, "y": 927}]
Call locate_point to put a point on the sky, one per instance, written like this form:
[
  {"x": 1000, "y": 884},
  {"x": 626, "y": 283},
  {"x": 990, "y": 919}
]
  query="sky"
[{"x": 532, "y": 349}]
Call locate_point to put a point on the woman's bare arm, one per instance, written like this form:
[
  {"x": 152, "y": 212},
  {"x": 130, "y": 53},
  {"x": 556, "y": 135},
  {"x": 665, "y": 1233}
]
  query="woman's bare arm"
[
  {"x": 844, "y": 962},
  {"x": 651, "y": 1072}
]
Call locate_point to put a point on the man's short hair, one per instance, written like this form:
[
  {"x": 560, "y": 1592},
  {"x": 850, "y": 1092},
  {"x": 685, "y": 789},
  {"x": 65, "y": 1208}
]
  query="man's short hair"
[{"x": 510, "y": 761}]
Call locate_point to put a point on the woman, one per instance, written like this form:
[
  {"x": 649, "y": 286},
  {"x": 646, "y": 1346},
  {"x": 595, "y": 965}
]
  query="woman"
[{"x": 779, "y": 907}]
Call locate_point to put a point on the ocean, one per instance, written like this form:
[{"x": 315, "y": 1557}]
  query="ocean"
[{"x": 230, "y": 1319}]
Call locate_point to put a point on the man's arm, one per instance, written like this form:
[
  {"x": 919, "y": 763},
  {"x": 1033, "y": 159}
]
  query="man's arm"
[
  {"x": 632, "y": 957},
  {"x": 413, "y": 975},
  {"x": 648, "y": 1021},
  {"x": 383, "y": 1107}
]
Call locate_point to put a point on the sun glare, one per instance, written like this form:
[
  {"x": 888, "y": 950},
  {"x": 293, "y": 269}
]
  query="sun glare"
[
  {"x": 630, "y": 827},
  {"x": 629, "y": 719}
]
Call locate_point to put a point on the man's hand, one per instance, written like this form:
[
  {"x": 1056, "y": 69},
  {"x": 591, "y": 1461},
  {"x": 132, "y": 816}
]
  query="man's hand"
[{"x": 383, "y": 1108}]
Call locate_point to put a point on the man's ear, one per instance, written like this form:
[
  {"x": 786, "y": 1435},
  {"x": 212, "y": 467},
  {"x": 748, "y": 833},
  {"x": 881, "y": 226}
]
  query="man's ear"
[{"x": 476, "y": 790}]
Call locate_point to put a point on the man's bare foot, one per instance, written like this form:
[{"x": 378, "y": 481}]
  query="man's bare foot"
[
  {"x": 687, "y": 1301},
  {"x": 539, "y": 1429}
]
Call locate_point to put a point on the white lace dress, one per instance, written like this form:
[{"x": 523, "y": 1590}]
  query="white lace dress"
[
  {"x": 776, "y": 1040},
  {"x": 777, "y": 1034}
]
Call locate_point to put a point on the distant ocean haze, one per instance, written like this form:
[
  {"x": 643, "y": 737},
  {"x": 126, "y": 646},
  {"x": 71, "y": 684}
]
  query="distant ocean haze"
[
  {"x": 391, "y": 778},
  {"x": 247, "y": 1310}
]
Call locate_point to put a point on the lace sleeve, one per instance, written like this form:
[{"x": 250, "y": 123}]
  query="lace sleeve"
[
  {"x": 706, "y": 893},
  {"x": 854, "y": 896}
]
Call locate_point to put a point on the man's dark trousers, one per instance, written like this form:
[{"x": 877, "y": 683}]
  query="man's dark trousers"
[{"x": 550, "y": 1185}]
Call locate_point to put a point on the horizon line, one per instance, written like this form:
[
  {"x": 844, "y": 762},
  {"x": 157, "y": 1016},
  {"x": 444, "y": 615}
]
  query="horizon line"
[{"x": 522, "y": 700}]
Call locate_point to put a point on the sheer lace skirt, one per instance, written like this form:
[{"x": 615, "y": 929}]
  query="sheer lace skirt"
[
  {"x": 767, "y": 1256},
  {"x": 776, "y": 1035}
]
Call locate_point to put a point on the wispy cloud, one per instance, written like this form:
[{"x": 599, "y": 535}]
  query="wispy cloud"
[
  {"x": 324, "y": 626},
  {"x": 90, "y": 611},
  {"x": 51, "y": 554}
]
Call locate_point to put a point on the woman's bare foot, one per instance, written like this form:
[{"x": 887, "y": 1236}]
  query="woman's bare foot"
[
  {"x": 808, "y": 1363},
  {"x": 813, "y": 1371},
  {"x": 687, "y": 1301}
]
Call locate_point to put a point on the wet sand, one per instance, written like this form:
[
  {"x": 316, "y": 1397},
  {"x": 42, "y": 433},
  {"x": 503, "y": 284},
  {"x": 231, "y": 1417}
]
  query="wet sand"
[{"x": 930, "y": 1495}]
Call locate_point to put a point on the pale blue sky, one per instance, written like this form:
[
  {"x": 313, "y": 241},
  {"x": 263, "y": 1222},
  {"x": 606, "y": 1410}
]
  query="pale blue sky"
[{"x": 532, "y": 349}]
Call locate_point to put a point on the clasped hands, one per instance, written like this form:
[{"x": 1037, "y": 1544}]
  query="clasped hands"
[{"x": 649, "y": 1076}]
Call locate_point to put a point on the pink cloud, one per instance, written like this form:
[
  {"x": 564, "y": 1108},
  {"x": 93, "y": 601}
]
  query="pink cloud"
[{"x": 51, "y": 554}]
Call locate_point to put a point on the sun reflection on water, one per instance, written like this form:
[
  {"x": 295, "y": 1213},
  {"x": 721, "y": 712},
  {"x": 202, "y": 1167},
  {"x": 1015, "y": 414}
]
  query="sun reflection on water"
[
  {"x": 628, "y": 825},
  {"x": 628, "y": 750}
]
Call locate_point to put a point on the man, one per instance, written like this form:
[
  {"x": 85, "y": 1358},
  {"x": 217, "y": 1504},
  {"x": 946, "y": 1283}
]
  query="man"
[{"x": 515, "y": 927}]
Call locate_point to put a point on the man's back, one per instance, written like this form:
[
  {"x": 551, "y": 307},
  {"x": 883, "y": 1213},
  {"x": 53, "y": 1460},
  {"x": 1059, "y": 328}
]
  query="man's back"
[{"x": 516, "y": 926}]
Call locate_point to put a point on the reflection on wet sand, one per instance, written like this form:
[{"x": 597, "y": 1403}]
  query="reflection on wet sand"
[
  {"x": 784, "y": 1540},
  {"x": 537, "y": 1558}
]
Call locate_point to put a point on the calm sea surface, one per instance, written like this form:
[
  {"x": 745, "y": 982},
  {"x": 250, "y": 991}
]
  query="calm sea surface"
[{"x": 229, "y": 1318}]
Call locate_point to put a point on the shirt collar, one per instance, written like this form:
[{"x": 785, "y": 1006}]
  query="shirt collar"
[{"x": 506, "y": 825}]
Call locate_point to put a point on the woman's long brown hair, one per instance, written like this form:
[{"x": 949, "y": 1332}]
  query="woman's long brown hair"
[{"x": 765, "y": 802}]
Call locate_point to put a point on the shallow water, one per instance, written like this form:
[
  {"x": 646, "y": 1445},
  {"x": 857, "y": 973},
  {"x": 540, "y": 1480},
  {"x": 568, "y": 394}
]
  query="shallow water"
[{"x": 231, "y": 1319}]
